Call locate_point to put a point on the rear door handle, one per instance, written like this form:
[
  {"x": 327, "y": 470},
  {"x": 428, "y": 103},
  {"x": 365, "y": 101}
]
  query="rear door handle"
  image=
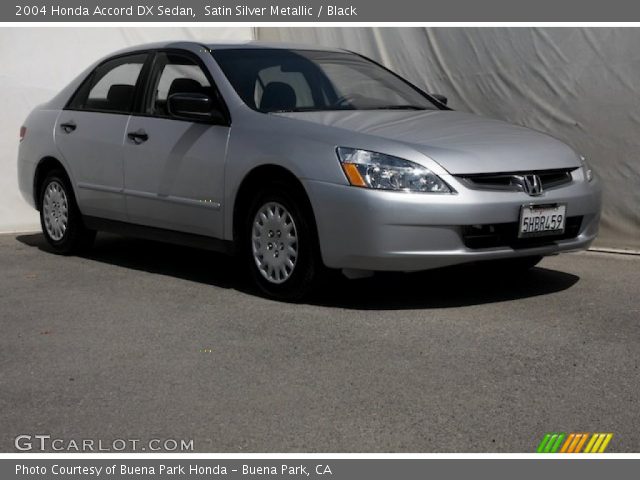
[
  {"x": 68, "y": 127},
  {"x": 138, "y": 136}
]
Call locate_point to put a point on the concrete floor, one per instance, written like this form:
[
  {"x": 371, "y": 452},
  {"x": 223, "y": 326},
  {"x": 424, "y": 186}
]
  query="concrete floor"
[{"x": 140, "y": 340}]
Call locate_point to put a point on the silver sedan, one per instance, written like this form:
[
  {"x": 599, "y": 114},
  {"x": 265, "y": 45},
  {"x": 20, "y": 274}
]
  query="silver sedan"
[{"x": 300, "y": 160}]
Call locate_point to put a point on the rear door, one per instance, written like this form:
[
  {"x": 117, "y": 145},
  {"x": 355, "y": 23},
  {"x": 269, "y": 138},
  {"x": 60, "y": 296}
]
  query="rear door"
[
  {"x": 90, "y": 134},
  {"x": 174, "y": 169}
]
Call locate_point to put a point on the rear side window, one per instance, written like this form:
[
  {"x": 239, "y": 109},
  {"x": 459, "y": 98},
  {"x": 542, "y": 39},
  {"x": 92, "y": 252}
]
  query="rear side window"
[{"x": 111, "y": 86}]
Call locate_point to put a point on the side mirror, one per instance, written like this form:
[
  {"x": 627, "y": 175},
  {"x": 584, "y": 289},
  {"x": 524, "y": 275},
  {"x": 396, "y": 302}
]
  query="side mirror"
[
  {"x": 194, "y": 106},
  {"x": 441, "y": 98}
]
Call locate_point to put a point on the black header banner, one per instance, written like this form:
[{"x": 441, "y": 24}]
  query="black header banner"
[{"x": 314, "y": 11}]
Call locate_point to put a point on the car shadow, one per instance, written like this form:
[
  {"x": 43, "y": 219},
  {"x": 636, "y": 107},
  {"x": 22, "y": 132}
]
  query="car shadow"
[{"x": 450, "y": 287}]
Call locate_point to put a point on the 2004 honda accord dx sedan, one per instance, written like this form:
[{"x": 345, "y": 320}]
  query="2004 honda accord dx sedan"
[{"x": 299, "y": 159}]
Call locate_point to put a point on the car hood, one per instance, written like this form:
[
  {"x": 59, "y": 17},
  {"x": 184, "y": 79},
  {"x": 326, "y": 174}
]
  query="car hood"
[{"x": 461, "y": 143}]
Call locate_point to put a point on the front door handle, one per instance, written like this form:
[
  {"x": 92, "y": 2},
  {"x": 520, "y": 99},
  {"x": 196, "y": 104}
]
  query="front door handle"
[
  {"x": 68, "y": 127},
  {"x": 138, "y": 137}
]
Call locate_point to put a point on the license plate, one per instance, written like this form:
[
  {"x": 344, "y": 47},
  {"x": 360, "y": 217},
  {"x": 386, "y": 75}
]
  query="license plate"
[{"x": 540, "y": 220}]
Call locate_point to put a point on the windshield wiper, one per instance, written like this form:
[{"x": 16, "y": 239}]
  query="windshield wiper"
[
  {"x": 310, "y": 109},
  {"x": 397, "y": 107},
  {"x": 349, "y": 108}
]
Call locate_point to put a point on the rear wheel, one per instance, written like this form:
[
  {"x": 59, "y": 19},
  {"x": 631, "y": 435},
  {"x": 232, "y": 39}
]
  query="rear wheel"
[
  {"x": 280, "y": 243},
  {"x": 60, "y": 217}
]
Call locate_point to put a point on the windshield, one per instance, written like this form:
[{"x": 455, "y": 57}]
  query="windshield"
[{"x": 279, "y": 80}]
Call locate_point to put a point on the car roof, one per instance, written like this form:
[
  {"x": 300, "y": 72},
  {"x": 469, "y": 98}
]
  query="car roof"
[
  {"x": 271, "y": 45},
  {"x": 227, "y": 45}
]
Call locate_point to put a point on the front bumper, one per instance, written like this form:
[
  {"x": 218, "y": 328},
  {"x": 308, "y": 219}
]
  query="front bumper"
[{"x": 364, "y": 229}]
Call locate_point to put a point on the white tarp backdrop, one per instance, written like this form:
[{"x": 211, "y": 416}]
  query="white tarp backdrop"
[
  {"x": 581, "y": 85},
  {"x": 37, "y": 62}
]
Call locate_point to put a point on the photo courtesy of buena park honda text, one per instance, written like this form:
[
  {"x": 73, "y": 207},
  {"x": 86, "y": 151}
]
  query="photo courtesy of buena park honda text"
[{"x": 346, "y": 239}]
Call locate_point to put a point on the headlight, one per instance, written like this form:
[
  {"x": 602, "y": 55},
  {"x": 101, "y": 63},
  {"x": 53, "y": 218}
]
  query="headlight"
[
  {"x": 385, "y": 172},
  {"x": 586, "y": 169}
]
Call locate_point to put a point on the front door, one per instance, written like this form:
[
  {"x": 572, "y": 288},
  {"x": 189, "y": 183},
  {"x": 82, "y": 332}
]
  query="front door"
[{"x": 174, "y": 169}]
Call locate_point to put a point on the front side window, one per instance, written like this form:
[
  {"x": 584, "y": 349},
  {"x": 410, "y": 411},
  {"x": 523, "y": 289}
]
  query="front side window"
[
  {"x": 279, "y": 80},
  {"x": 111, "y": 87},
  {"x": 175, "y": 73}
]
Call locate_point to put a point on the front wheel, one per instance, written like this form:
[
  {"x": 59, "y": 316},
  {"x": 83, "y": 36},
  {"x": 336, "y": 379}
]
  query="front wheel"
[
  {"x": 281, "y": 244},
  {"x": 60, "y": 217}
]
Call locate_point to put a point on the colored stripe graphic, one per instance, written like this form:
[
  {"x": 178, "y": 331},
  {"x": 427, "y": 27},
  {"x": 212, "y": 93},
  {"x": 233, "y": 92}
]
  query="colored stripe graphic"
[
  {"x": 543, "y": 443},
  {"x": 605, "y": 443},
  {"x": 556, "y": 445},
  {"x": 598, "y": 443},
  {"x": 591, "y": 443},
  {"x": 551, "y": 442},
  {"x": 570, "y": 445},
  {"x": 581, "y": 443},
  {"x": 573, "y": 442}
]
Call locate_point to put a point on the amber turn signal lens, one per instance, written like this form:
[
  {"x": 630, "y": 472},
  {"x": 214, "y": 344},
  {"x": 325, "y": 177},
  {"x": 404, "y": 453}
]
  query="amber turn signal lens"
[{"x": 352, "y": 173}]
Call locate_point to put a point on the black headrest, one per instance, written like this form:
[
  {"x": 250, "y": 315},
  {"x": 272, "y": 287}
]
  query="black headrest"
[
  {"x": 184, "y": 85},
  {"x": 119, "y": 97},
  {"x": 278, "y": 96}
]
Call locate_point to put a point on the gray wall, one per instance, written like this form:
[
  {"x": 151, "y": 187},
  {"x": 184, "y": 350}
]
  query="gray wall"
[{"x": 581, "y": 85}]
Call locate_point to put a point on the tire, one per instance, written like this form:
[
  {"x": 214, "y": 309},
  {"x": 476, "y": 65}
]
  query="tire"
[
  {"x": 60, "y": 218},
  {"x": 515, "y": 265},
  {"x": 280, "y": 243}
]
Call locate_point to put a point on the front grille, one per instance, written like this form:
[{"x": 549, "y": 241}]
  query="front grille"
[
  {"x": 506, "y": 235},
  {"x": 511, "y": 181}
]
